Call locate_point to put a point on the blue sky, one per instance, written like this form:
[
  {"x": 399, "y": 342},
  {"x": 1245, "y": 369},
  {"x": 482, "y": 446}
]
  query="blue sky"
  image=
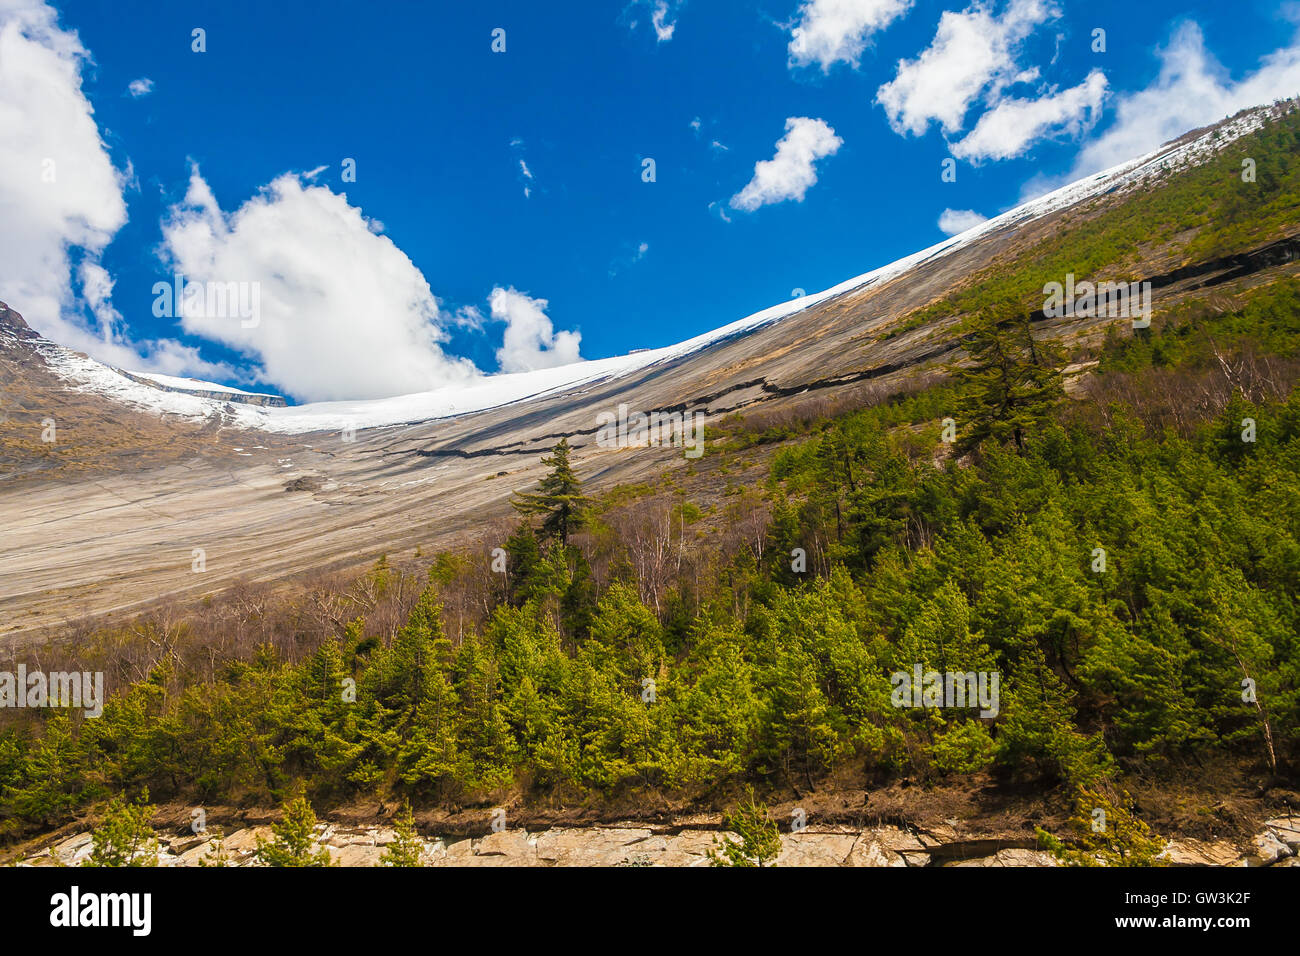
[{"x": 442, "y": 128}]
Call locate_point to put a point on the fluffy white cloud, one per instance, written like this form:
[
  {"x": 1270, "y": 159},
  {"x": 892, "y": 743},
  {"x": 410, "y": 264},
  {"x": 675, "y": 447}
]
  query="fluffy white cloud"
[
  {"x": 1013, "y": 125},
  {"x": 791, "y": 172},
  {"x": 342, "y": 313},
  {"x": 1192, "y": 90},
  {"x": 954, "y": 221},
  {"x": 973, "y": 54},
  {"x": 140, "y": 87},
  {"x": 61, "y": 198},
  {"x": 836, "y": 31},
  {"x": 58, "y": 187},
  {"x": 530, "y": 340}
]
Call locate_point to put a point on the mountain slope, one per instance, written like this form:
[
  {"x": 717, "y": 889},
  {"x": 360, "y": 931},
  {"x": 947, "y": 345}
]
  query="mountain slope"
[{"x": 140, "y": 482}]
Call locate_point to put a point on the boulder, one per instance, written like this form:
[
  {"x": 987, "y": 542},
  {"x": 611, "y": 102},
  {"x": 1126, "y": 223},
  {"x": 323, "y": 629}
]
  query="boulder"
[
  {"x": 242, "y": 843},
  {"x": 1266, "y": 849},
  {"x": 73, "y": 849},
  {"x": 503, "y": 848},
  {"x": 690, "y": 848},
  {"x": 1200, "y": 853},
  {"x": 870, "y": 850},
  {"x": 595, "y": 847},
  {"x": 356, "y": 854},
  {"x": 1286, "y": 830},
  {"x": 815, "y": 849}
]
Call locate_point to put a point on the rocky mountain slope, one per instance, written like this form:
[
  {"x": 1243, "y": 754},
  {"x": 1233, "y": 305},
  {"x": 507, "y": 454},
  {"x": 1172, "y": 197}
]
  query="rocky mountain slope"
[{"x": 146, "y": 494}]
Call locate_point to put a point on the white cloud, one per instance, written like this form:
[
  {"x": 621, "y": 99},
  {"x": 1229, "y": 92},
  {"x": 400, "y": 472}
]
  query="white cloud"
[
  {"x": 140, "y": 87},
  {"x": 530, "y": 340},
  {"x": 791, "y": 172},
  {"x": 837, "y": 31},
  {"x": 954, "y": 221},
  {"x": 630, "y": 259},
  {"x": 663, "y": 16},
  {"x": 48, "y": 132},
  {"x": 973, "y": 54},
  {"x": 97, "y": 290},
  {"x": 1013, "y": 125},
  {"x": 61, "y": 199},
  {"x": 526, "y": 177},
  {"x": 468, "y": 317},
  {"x": 1192, "y": 90},
  {"x": 664, "y": 26},
  {"x": 344, "y": 314}
]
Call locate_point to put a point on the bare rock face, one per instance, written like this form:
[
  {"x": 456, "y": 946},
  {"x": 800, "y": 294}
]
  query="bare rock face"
[
  {"x": 242, "y": 398},
  {"x": 816, "y": 849},
  {"x": 1012, "y": 858},
  {"x": 600, "y": 846},
  {"x": 1200, "y": 853},
  {"x": 15, "y": 324},
  {"x": 881, "y": 848},
  {"x": 304, "y": 483},
  {"x": 1287, "y": 831},
  {"x": 355, "y": 855},
  {"x": 613, "y": 847}
]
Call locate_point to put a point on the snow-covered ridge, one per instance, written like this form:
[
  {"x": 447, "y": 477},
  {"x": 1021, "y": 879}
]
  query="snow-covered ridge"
[
  {"x": 496, "y": 390},
  {"x": 195, "y": 385},
  {"x": 202, "y": 389}
]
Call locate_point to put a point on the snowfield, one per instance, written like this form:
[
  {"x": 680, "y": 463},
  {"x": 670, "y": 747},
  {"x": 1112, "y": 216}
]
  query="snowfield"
[
  {"x": 194, "y": 384},
  {"x": 496, "y": 390}
]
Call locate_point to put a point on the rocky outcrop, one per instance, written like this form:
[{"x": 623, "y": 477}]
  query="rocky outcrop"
[
  {"x": 1277, "y": 845},
  {"x": 242, "y": 398},
  {"x": 654, "y": 846},
  {"x": 14, "y": 324}
]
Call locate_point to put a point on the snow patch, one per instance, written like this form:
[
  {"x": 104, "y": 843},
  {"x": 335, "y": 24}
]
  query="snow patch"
[{"x": 505, "y": 389}]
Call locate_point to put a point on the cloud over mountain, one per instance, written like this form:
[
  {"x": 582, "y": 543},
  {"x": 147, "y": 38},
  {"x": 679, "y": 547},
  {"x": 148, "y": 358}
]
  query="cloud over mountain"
[{"x": 343, "y": 312}]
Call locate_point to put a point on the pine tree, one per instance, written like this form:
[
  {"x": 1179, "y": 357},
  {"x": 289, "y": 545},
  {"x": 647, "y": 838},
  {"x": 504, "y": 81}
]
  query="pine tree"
[
  {"x": 295, "y": 836},
  {"x": 760, "y": 840},
  {"x": 216, "y": 854},
  {"x": 407, "y": 849},
  {"x": 1012, "y": 382},
  {"x": 1104, "y": 832},
  {"x": 125, "y": 838},
  {"x": 559, "y": 497}
]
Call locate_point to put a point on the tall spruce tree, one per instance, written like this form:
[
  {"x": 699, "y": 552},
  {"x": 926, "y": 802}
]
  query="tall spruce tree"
[
  {"x": 1012, "y": 382},
  {"x": 558, "y": 498}
]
